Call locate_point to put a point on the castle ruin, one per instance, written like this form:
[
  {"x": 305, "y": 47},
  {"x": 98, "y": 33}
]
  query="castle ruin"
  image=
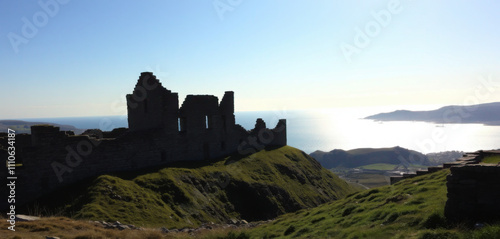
[{"x": 160, "y": 132}]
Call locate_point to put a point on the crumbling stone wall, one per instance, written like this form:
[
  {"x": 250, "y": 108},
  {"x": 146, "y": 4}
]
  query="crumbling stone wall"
[
  {"x": 473, "y": 193},
  {"x": 159, "y": 133}
]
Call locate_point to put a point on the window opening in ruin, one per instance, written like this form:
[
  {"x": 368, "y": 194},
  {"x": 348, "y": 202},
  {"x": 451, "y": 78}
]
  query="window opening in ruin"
[
  {"x": 222, "y": 146},
  {"x": 206, "y": 121}
]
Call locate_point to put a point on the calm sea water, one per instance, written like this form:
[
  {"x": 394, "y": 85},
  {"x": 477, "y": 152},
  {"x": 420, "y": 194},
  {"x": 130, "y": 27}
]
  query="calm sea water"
[{"x": 343, "y": 129}]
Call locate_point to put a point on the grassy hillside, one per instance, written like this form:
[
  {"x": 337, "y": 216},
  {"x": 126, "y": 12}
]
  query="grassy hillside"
[
  {"x": 412, "y": 208},
  {"x": 491, "y": 159},
  {"x": 256, "y": 187},
  {"x": 67, "y": 228},
  {"x": 379, "y": 166},
  {"x": 368, "y": 156}
]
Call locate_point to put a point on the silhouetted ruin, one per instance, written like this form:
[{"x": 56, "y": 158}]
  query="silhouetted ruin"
[{"x": 159, "y": 133}]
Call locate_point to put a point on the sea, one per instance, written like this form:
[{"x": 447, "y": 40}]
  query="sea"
[{"x": 341, "y": 128}]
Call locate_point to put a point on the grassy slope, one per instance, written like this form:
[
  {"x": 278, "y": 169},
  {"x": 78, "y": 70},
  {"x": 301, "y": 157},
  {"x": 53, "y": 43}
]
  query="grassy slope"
[
  {"x": 260, "y": 186},
  {"x": 370, "y": 180},
  {"x": 66, "y": 228},
  {"x": 412, "y": 208},
  {"x": 362, "y": 151},
  {"x": 368, "y": 156},
  {"x": 379, "y": 166},
  {"x": 491, "y": 159}
]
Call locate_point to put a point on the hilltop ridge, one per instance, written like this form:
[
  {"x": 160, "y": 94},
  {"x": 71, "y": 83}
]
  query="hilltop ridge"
[
  {"x": 259, "y": 186},
  {"x": 23, "y": 127},
  {"x": 367, "y": 156}
]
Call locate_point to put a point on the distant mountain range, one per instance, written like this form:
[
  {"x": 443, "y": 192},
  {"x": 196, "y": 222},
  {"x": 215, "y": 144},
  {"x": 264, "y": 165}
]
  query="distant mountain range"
[
  {"x": 24, "y": 127},
  {"x": 367, "y": 156},
  {"x": 488, "y": 114}
]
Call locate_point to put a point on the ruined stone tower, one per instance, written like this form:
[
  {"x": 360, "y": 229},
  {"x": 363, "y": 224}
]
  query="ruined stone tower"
[{"x": 160, "y": 132}]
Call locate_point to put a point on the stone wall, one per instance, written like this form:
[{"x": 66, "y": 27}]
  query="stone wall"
[
  {"x": 468, "y": 158},
  {"x": 473, "y": 193},
  {"x": 159, "y": 133},
  {"x": 473, "y": 188}
]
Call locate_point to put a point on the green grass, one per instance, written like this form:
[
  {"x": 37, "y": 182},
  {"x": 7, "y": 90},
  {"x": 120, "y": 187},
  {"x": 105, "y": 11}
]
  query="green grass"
[
  {"x": 370, "y": 180},
  {"x": 256, "y": 187},
  {"x": 379, "y": 166},
  {"x": 491, "y": 159},
  {"x": 369, "y": 150},
  {"x": 408, "y": 209},
  {"x": 411, "y": 208}
]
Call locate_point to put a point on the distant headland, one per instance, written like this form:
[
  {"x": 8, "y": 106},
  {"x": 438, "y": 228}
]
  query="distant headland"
[
  {"x": 24, "y": 127},
  {"x": 488, "y": 114}
]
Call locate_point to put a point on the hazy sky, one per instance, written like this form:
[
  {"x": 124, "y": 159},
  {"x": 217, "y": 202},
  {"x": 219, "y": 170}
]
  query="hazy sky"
[{"x": 80, "y": 58}]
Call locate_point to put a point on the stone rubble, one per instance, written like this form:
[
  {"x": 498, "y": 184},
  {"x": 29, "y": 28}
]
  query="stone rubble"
[{"x": 232, "y": 223}]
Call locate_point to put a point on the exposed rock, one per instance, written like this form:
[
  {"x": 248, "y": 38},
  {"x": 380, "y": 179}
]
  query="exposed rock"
[
  {"x": 26, "y": 218},
  {"x": 117, "y": 225},
  {"x": 232, "y": 221},
  {"x": 122, "y": 227},
  {"x": 232, "y": 224}
]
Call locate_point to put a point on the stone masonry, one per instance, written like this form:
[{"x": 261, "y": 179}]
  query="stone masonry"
[
  {"x": 160, "y": 132},
  {"x": 473, "y": 193},
  {"x": 473, "y": 188}
]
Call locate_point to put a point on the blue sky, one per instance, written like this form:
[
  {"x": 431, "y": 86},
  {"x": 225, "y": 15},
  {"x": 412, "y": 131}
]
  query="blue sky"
[{"x": 284, "y": 54}]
